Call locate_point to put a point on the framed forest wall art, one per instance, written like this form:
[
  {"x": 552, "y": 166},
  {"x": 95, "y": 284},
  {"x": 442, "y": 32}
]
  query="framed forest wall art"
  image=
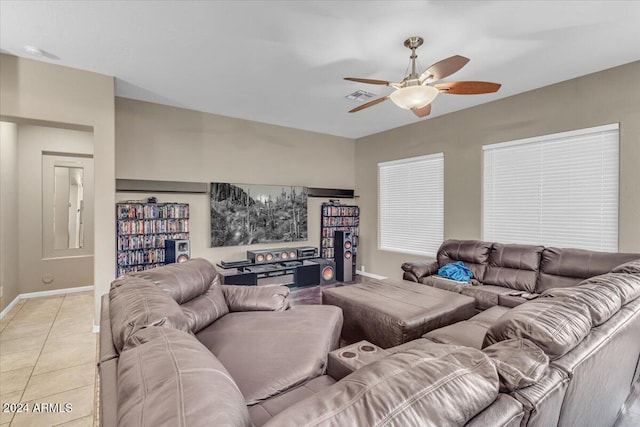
[{"x": 247, "y": 214}]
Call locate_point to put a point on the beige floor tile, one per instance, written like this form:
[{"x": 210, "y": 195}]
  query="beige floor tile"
[
  {"x": 34, "y": 342},
  {"x": 71, "y": 326},
  {"x": 3, "y": 324},
  {"x": 22, "y": 359},
  {"x": 65, "y": 357},
  {"x": 80, "y": 422},
  {"x": 58, "y": 381},
  {"x": 80, "y": 399},
  {"x": 6, "y": 417},
  {"x": 21, "y": 330},
  {"x": 42, "y": 301},
  {"x": 86, "y": 340},
  {"x": 37, "y": 316},
  {"x": 14, "y": 380}
]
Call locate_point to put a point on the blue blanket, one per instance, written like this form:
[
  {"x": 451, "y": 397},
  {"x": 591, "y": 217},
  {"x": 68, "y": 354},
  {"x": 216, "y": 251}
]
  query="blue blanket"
[{"x": 456, "y": 271}]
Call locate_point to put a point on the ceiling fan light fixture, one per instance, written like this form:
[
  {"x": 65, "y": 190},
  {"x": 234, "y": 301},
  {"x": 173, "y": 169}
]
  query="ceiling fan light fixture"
[{"x": 411, "y": 97}]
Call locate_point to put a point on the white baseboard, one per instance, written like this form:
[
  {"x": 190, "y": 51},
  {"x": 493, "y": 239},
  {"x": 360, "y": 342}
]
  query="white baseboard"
[
  {"x": 9, "y": 307},
  {"x": 52, "y": 292},
  {"x": 373, "y": 276},
  {"x": 95, "y": 329}
]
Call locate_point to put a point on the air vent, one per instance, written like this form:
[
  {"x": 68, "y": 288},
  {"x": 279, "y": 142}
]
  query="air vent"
[{"x": 360, "y": 96}]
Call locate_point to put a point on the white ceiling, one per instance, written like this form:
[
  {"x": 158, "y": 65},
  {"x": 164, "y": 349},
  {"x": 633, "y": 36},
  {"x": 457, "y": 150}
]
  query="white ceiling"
[{"x": 282, "y": 62}]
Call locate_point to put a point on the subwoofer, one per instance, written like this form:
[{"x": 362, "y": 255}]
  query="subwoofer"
[
  {"x": 327, "y": 270},
  {"x": 343, "y": 255},
  {"x": 176, "y": 251}
]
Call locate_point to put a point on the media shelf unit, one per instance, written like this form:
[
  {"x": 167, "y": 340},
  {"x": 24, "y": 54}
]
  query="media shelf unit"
[
  {"x": 338, "y": 217},
  {"x": 142, "y": 229}
]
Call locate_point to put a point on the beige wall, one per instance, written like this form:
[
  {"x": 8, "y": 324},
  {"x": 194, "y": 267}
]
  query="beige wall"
[
  {"x": 41, "y": 91},
  {"x": 66, "y": 272},
  {"x": 166, "y": 143},
  {"x": 8, "y": 213},
  {"x": 606, "y": 97}
]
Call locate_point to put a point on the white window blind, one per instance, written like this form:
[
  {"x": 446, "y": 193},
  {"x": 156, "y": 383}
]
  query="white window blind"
[
  {"x": 411, "y": 204},
  {"x": 555, "y": 190}
]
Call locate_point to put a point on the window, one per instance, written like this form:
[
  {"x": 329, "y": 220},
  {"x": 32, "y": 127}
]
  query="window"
[
  {"x": 554, "y": 190},
  {"x": 411, "y": 203}
]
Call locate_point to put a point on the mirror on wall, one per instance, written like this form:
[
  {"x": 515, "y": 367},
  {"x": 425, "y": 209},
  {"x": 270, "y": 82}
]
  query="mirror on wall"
[{"x": 68, "y": 207}]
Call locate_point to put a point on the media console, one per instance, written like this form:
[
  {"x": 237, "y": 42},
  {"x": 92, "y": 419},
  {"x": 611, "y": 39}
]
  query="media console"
[{"x": 295, "y": 267}]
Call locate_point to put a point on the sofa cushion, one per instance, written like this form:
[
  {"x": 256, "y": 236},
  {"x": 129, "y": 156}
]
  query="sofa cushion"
[
  {"x": 626, "y": 285},
  {"x": 474, "y": 253},
  {"x": 464, "y": 333},
  {"x": 270, "y": 352},
  {"x": 486, "y": 296},
  {"x": 262, "y": 412},
  {"x": 513, "y": 266},
  {"x": 556, "y": 325},
  {"x": 413, "y": 387},
  {"x": 488, "y": 317},
  {"x": 135, "y": 303},
  {"x": 256, "y": 298},
  {"x": 602, "y": 301},
  {"x": 205, "y": 309},
  {"x": 183, "y": 281},
  {"x": 631, "y": 267},
  {"x": 172, "y": 379},
  {"x": 520, "y": 363},
  {"x": 561, "y": 268}
]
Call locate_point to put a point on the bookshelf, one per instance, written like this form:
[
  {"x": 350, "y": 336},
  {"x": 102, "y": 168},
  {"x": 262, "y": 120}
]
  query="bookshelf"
[
  {"x": 336, "y": 217},
  {"x": 142, "y": 229}
]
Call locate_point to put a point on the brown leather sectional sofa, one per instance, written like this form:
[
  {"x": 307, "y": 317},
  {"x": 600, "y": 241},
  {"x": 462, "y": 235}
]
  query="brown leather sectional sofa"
[
  {"x": 581, "y": 308},
  {"x": 178, "y": 349}
]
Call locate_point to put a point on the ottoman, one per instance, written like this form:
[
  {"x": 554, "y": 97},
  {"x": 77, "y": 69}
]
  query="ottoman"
[{"x": 391, "y": 312}]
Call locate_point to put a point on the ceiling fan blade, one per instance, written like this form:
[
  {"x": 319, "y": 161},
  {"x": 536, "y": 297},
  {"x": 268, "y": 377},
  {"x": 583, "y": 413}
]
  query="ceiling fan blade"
[
  {"x": 369, "y": 81},
  {"x": 444, "y": 68},
  {"x": 369, "y": 104},
  {"x": 422, "y": 112},
  {"x": 467, "y": 88}
]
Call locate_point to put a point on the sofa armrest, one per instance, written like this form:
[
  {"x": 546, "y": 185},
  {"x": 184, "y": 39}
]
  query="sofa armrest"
[
  {"x": 416, "y": 270},
  {"x": 256, "y": 298}
]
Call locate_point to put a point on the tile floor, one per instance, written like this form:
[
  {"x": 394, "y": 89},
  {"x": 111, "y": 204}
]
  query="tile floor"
[{"x": 48, "y": 356}]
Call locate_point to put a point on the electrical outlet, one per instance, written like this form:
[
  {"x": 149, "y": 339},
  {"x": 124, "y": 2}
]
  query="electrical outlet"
[
  {"x": 362, "y": 268},
  {"x": 1, "y": 291}
]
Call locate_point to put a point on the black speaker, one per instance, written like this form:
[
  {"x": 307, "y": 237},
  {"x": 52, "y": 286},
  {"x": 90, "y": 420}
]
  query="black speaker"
[
  {"x": 343, "y": 255},
  {"x": 176, "y": 251},
  {"x": 307, "y": 274},
  {"x": 267, "y": 256},
  {"x": 327, "y": 270}
]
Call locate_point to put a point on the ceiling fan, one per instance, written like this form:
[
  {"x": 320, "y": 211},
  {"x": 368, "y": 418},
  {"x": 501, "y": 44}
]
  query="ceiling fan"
[{"x": 416, "y": 92}]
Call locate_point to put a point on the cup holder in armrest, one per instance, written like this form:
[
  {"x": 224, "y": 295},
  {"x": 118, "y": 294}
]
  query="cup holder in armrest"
[
  {"x": 348, "y": 354},
  {"x": 367, "y": 348}
]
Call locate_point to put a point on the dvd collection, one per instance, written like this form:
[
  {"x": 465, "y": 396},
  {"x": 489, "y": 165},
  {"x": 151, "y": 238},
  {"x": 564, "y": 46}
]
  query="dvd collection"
[
  {"x": 152, "y": 226},
  {"x": 140, "y": 210},
  {"x": 142, "y": 230},
  {"x": 337, "y": 210},
  {"x": 337, "y": 218}
]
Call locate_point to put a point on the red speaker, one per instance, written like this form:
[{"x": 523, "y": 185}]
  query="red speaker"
[
  {"x": 343, "y": 254},
  {"x": 327, "y": 270},
  {"x": 176, "y": 251}
]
